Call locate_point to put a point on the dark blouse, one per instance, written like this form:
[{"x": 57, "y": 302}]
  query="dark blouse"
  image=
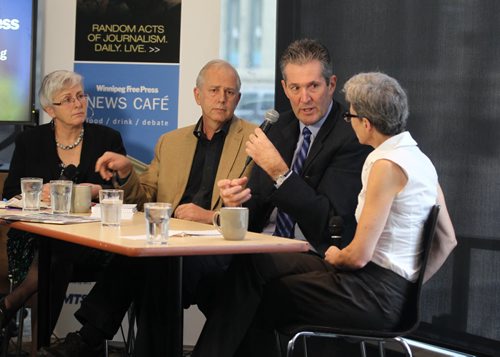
[{"x": 35, "y": 155}]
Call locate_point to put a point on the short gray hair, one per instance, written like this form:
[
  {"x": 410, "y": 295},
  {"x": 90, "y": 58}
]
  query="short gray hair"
[
  {"x": 56, "y": 81},
  {"x": 304, "y": 51},
  {"x": 217, "y": 63},
  {"x": 380, "y": 99}
]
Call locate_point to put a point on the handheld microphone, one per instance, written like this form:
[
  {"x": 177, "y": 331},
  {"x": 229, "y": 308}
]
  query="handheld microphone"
[
  {"x": 335, "y": 228},
  {"x": 270, "y": 118}
]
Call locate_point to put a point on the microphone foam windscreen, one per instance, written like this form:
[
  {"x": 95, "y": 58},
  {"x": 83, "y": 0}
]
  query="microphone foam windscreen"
[
  {"x": 69, "y": 172},
  {"x": 272, "y": 116}
]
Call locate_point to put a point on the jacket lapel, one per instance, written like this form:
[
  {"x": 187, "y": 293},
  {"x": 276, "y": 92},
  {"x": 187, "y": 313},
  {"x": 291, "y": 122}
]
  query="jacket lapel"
[
  {"x": 86, "y": 153},
  {"x": 323, "y": 134},
  {"x": 232, "y": 146},
  {"x": 182, "y": 167},
  {"x": 50, "y": 150},
  {"x": 286, "y": 139}
]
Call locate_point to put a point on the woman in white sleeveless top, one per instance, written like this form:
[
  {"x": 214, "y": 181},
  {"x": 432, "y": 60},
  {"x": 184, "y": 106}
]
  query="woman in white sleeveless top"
[
  {"x": 364, "y": 285},
  {"x": 400, "y": 183}
]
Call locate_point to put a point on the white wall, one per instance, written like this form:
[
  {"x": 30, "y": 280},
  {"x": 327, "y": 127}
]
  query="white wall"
[{"x": 200, "y": 33}]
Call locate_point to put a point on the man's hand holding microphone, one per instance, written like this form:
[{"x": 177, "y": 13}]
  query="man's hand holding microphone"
[{"x": 260, "y": 150}]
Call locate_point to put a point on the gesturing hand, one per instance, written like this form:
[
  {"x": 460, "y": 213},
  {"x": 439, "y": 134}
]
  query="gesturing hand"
[
  {"x": 233, "y": 192},
  {"x": 110, "y": 162},
  {"x": 265, "y": 154}
]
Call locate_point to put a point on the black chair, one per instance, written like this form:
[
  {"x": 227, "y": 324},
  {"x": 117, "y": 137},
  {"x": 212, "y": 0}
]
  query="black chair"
[{"x": 409, "y": 322}]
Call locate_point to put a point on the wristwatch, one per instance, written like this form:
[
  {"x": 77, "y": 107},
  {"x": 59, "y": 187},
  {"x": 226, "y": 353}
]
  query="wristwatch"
[{"x": 281, "y": 178}]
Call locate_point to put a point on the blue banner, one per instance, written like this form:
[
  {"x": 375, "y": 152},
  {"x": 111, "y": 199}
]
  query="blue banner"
[
  {"x": 139, "y": 100},
  {"x": 128, "y": 53}
]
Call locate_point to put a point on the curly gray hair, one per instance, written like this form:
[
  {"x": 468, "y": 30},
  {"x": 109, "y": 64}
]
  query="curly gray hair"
[{"x": 380, "y": 99}]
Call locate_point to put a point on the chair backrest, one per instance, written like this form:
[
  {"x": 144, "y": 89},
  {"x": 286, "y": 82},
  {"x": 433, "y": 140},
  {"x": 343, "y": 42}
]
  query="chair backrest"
[{"x": 411, "y": 319}]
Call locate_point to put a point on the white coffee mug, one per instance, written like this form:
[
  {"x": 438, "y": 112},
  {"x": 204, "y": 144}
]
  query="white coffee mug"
[
  {"x": 232, "y": 222},
  {"x": 81, "y": 199}
]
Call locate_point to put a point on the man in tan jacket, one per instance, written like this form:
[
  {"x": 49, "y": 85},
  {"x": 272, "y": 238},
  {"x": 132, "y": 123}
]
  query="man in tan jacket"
[
  {"x": 185, "y": 169},
  {"x": 193, "y": 157}
]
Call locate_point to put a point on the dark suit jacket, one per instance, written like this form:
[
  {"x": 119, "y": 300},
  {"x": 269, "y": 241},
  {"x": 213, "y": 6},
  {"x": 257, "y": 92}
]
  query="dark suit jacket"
[
  {"x": 35, "y": 155},
  {"x": 328, "y": 185}
]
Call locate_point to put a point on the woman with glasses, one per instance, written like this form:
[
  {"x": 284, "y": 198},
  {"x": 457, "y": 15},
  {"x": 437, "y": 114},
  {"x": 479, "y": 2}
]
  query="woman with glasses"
[{"x": 68, "y": 148}]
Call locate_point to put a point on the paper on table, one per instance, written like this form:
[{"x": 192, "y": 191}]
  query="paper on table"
[
  {"x": 177, "y": 233},
  {"x": 128, "y": 210},
  {"x": 16, "y": 202},
  {"x": 43, "y": 217}
]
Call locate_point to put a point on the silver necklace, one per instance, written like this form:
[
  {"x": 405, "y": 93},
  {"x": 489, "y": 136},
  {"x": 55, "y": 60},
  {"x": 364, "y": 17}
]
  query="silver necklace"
[{"x": 71, "y": 146}]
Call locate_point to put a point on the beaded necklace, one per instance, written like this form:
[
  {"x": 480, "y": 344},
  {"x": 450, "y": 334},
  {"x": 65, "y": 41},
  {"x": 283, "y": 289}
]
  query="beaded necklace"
[{"x": 71, "y": 146}]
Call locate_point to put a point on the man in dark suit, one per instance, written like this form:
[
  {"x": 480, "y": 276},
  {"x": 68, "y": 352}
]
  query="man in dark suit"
[
  {"x": 304, "y": 185},
  {"x": 323, "y": 194}
]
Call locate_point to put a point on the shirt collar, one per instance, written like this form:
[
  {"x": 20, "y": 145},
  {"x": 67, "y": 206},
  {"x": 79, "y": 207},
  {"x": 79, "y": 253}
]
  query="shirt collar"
[
  {"x": 198, "y": 128},
  {"x": 398, "y": 140}
]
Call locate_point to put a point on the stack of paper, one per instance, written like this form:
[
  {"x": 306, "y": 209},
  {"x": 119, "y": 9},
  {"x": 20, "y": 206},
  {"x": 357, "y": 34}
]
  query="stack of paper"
[
  {"x": 17, "y": 202},
  {"x": 128, "y": 210},
  {"x": 45, "y": 217}
]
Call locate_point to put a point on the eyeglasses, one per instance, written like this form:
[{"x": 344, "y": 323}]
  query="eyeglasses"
[
  {"x": 82, "y": 98},
  {"x": 348, "y": 116}
]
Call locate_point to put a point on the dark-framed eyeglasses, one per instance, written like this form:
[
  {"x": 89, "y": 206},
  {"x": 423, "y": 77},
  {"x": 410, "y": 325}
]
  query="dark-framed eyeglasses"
[
  {"x": 82, "y": 98},
  {"x": 348, "y": 116}
]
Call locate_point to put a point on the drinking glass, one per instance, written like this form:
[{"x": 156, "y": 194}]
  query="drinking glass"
[
  {"x": 31, "y": 190},
  {"x": 111, "y": 201},
  {"x": 60, "y": 196},
  {"x": 157, "y": 216}
]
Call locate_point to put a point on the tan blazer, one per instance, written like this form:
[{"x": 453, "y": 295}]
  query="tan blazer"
[{"x": 166, "y": 178}]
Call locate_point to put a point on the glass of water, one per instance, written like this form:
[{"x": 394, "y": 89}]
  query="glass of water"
[
  {"x": 157, "y": 216},
  {"x": 60, "y": 196},
  {"x": 111, "y": 202},
  {"x": 31, "y": 190}
]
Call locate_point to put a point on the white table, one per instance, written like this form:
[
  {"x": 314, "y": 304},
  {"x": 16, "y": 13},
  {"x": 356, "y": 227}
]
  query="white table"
[{"x": 115, "y": 240}]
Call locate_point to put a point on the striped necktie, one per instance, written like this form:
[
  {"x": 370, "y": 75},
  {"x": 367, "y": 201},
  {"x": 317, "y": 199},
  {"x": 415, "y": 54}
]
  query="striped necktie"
[{"x": 284, "y": 223}]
